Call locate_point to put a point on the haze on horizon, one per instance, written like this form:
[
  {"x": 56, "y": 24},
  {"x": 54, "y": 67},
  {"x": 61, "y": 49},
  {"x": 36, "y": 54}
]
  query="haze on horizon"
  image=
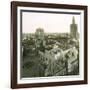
[{"x": 51, "y": 23}]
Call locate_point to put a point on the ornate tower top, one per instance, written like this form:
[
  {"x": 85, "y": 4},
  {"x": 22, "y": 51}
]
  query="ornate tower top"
[
  {"x": 73, "y": 29},
  {"x": 73, "y": 20}
]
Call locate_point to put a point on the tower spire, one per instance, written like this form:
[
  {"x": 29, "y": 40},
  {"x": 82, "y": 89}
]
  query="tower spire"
[
  {"x": 73, "y": 27},
  {"x": 73, "y": 20}
]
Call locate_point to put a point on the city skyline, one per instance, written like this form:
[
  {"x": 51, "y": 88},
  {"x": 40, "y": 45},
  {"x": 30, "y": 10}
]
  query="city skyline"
[{"x": 51, "y": 23}]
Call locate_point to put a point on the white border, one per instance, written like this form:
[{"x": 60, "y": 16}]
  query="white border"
[{"x": 57, "y": 78}]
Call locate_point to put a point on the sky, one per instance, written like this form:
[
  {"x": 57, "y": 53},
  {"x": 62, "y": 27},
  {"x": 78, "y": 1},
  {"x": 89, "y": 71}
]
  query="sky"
[{"x": 51, "y": 23}]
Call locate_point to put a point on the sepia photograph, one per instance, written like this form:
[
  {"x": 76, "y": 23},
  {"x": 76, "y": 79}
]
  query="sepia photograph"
[{"x": 50, "y": 44}]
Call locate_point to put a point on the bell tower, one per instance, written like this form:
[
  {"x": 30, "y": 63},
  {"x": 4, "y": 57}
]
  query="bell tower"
[{"x": 73, "y": 29}]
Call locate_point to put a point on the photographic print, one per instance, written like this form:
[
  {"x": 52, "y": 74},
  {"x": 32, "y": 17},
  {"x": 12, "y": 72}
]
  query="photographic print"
[{"x": 49, "y": 44}]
